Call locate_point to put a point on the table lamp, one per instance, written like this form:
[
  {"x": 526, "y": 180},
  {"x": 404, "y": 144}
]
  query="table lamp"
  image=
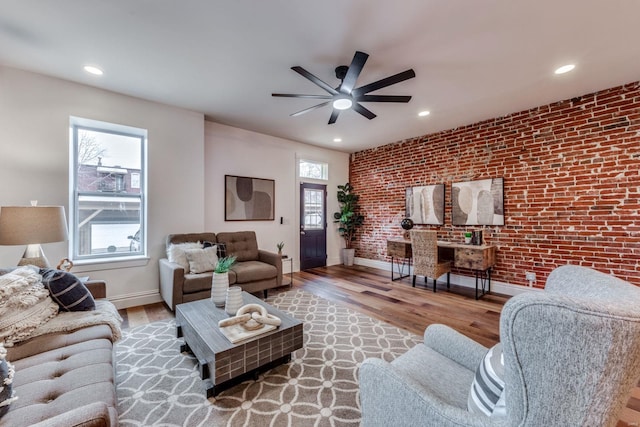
[{"x": 31, "y": 226}]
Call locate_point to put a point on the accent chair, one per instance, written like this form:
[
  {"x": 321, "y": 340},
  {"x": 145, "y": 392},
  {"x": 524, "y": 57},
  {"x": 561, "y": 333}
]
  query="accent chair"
[{"x": 570, "y": 357}]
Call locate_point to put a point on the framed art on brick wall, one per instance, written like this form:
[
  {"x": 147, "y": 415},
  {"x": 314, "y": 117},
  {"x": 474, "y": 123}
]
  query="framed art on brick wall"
[
  {"x": 478, "y": 202},
  {"x": 425, "y": 204},
  {"x": 248, "y": 199}
]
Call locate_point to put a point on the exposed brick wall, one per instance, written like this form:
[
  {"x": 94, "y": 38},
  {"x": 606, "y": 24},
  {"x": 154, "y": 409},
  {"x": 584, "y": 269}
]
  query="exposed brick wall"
[{"x": 571, "y": 184}]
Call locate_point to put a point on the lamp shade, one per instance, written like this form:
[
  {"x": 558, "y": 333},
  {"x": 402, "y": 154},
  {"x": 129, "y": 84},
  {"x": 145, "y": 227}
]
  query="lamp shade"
[{"x": 26, "y": 225}]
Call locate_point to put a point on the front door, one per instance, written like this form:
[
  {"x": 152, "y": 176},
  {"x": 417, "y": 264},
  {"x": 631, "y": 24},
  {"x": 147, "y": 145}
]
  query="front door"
[{"x": 313, "y": 225}]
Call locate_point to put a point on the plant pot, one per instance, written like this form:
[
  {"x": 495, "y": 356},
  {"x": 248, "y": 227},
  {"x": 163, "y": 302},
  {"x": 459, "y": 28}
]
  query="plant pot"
[
  {"x": 347, "y": 256},
  {"x": 219, "y": 286}
]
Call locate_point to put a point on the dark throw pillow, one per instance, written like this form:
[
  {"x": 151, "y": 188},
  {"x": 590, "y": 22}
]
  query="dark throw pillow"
[
  {"x": 6, "y": 380},
  {"x": 67, "y": 290},
  {"x": 222, "y": 250}
]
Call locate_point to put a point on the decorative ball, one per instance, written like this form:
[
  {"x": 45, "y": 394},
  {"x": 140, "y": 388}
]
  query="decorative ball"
[{"x": 406, "y": 223}]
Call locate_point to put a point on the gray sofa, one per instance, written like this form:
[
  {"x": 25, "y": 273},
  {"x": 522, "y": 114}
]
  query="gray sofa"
[
  {"x": 571, "y": 358},
  {"x": 255, "y": 270},
  {"x": 65, "y": 379}
]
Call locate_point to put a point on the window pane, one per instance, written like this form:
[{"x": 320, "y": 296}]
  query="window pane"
[
  {"x": 108, "y": 162},
  {"x": 108, "y": 225},
  {"x": 313, "y": 209},
  {"x": 314, "y": 170}
]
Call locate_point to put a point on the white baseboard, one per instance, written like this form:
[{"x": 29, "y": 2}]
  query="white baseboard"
[
  {"x": 136, "y": 299},
  {"x": 334, "y": 261},
  {"x": 456, "y": 279}
]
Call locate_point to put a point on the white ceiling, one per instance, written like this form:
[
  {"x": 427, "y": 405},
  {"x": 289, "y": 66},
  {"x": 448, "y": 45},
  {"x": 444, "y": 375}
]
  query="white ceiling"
[{"x": 474, "y": 59}]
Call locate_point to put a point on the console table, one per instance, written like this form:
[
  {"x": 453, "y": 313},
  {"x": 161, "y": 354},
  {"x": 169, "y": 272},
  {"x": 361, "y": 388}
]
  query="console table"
[{"x": 479, "y": 258}]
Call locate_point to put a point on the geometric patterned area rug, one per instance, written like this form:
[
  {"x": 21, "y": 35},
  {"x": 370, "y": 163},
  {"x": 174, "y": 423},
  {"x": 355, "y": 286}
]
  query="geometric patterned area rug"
[{"x": 159, "y": 386}]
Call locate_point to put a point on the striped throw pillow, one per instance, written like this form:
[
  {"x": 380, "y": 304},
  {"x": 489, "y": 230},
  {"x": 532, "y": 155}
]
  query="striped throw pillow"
[
  {"x": 487, "y": 390},
  {"x": 67, "y": 290}
]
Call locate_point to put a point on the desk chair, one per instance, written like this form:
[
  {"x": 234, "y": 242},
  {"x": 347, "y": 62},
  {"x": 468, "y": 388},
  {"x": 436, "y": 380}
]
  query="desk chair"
[{"x": 424, "y": 245}]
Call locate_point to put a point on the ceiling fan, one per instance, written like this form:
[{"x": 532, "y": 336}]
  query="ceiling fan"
[{"x": 346, "y": 96}]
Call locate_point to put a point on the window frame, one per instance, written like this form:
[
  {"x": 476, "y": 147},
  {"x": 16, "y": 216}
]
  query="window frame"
[
  {"x": 323, "y": 165},
  {"x": 75, "y": 125}
]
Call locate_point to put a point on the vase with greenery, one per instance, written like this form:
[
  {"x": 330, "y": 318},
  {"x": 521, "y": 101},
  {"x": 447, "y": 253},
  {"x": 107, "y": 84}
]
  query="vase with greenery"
[
  {"x": 280, "y": 246},
  {"x": 220, "y": 280},
  {"x": 349, "y": 219}
]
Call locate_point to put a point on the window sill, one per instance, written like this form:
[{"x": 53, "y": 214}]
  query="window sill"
[{"x": 109, "y": 264}]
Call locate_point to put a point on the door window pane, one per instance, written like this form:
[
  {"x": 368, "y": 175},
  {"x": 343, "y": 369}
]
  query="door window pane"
[{"x": 313, "y": 209}]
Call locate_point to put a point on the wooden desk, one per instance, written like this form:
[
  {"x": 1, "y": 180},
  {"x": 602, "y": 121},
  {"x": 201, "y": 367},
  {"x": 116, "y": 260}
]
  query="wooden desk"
[{"x": 479, "y": 258}]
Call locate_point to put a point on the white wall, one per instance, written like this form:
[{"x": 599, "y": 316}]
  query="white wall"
[
  {"x": 233, "y": 151},
  {"x": 34, "y": 165}
]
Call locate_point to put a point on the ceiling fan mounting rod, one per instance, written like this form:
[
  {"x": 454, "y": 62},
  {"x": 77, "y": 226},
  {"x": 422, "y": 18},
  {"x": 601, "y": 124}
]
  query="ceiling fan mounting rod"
[{"x": 341, "y": 72}]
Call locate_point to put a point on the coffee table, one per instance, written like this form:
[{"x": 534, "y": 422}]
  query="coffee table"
[{"x": 223, "y": 364}]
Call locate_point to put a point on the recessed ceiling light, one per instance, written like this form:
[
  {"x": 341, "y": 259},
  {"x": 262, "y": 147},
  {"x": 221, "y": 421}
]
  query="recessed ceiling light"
[
  {"x": 337, "y": 139},
  {"x": 93, "y": 70},
  {"x": 424, "y": 113},
  {"x": 565, "y": 69}
]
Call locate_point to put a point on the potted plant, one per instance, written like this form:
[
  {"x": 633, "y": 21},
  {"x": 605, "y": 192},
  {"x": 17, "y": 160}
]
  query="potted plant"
[
  {"x": 467, "y": 237},
  {"x": 349, "y": 219},
  {"x": 280, "y": 246},
  {"x": 220, "y": 280}
]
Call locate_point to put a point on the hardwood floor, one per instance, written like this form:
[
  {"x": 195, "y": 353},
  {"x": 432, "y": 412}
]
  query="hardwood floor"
[{"x": 371, "y": 291}]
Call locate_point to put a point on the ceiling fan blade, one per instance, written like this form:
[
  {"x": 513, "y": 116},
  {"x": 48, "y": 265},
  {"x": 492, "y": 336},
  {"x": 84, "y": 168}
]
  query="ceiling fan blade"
[
  {"x": 358, "y": 61},
  {"x": 334, "y": 116},
  {"x": 306, "y": 110},
  {"x": 295, "y": 95},
  {"x": 304, "y": 73},
  {"x": 388, "y": 81},
  {"x": 383, "y": 98},
  {"x": 364, "y": 111}
]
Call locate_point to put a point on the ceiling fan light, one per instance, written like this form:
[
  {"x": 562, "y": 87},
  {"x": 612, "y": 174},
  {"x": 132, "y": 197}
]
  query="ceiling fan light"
[{"x": 342, "y": 103}]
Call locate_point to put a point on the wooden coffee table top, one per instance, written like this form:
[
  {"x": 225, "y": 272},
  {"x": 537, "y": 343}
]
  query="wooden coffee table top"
[
  {"x": 203, "y": 316},
  {"x": 220, "y": 360}
]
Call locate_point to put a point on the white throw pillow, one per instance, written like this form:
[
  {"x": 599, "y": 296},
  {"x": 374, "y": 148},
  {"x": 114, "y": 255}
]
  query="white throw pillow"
[
  {"x": 487, "y": 390},
  {"x": 25, "y": 304},
  {"x": 202, "y": 260},
  {"x": 176, "y": 254}
]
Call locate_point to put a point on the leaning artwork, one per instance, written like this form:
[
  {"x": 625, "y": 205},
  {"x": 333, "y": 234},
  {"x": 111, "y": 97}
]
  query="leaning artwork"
[
  {"x": 425, "y": 204},
  {"x": 478, "y": 202}
]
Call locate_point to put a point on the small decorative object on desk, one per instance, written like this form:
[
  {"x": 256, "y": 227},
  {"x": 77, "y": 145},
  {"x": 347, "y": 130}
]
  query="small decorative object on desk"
[
  {"x": 280, "y": 246},
  {"x": 406, "y": 224},
  {"x": 467, "y": 237},
  {"x": 234, "y": 300},
  {"x": 476, "y": 238},
  {"x": 220, "y": 280}
]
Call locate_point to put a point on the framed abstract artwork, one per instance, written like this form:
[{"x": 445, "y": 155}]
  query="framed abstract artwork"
[
  {"x": 478, "y": 202},
  {"x": 249, "y": 199},
  {"x": 425, "y": 204}
]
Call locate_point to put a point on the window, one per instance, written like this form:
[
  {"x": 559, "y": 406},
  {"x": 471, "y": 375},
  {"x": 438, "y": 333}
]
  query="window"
[
  {"x": 313, "y": 209},
  {"x": 314, "y": 170},
  {"x": 108, "y": 190}
]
